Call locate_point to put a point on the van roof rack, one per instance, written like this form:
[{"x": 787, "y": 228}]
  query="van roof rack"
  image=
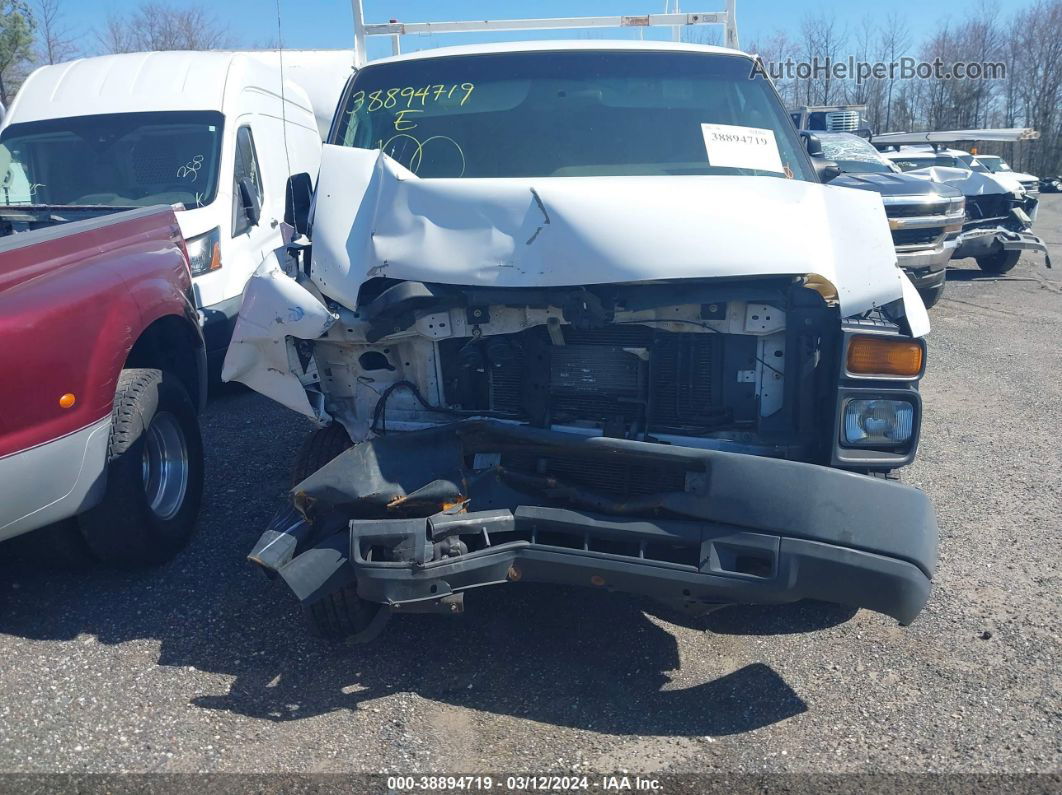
[
  {"x": 676, "y": 21},
  {"x": 1001, "y": 134}
]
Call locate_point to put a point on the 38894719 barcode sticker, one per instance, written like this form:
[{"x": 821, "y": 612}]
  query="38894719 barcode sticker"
[{"x": 731, "y": 146}]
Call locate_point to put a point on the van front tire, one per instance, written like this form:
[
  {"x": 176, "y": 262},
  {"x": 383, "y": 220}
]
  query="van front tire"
[
  {"x": 154, "y": 474},
  {"x": 318, "y": 448}
]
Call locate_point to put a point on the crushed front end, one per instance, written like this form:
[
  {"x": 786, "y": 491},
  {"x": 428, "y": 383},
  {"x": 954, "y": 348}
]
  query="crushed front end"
[
  {"x": 701, "y": 442},
  {"x": 410, "y": 522},
  {"x": 627, "y": 383}
]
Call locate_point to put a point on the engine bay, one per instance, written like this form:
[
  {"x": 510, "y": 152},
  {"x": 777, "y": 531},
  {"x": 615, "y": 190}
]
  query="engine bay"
[{"x": 693, "y": 363}]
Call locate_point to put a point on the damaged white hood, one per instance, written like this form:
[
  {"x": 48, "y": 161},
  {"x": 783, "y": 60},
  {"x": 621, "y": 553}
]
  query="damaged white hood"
[
  {"x": 971, "y": 183},
  {"x": 375, "y": 218}
]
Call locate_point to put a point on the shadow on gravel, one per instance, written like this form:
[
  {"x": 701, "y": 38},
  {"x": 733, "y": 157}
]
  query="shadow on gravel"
[
  {"x": 763, "y": 620},
  {"x": 569, "y": 657},
  {"x": 971, "y": 275},
  {"x": 587, "y": 661}
]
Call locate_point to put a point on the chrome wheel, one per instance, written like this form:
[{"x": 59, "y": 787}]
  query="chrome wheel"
[{"x": 165, "y": 465}]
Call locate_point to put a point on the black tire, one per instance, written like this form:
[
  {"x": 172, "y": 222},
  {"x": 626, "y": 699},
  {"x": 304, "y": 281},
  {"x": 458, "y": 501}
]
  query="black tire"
[
  {"x": 152, "y": 413},
  {"x": 999, "y": 262},
  {"x": 931, "y": 295},
  {"x": 317, "y": 449},
  {"x": 341, "y": 613}
]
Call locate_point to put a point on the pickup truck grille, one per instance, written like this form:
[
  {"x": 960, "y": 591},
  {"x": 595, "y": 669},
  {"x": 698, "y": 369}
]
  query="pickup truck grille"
[
  {"x": 911, "y": 237},
  {"x": 920, "y": 222},
  {"x": 915, "y": 209}
]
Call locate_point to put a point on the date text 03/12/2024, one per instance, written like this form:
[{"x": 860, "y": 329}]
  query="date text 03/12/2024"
[{"x": 523, "y": 783}]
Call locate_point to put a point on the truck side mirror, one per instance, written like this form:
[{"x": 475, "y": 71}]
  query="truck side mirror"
[
  {"x": 297, "y": 197},
  {"x": 827, "y": 170},
  {"x": 251, "y": 206},
  {"x": 812, "y": 143}
]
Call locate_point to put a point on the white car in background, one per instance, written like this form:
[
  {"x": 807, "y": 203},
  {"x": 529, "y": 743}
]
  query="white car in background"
[{"x": 997, "y": 165}]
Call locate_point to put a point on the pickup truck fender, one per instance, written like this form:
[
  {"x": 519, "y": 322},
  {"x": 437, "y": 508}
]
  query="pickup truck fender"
[{"x": 78, "y": 303}]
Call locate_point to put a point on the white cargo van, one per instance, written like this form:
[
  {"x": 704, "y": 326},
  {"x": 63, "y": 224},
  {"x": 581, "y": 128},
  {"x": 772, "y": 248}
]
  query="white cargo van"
[{"x": 217, "y": 134}]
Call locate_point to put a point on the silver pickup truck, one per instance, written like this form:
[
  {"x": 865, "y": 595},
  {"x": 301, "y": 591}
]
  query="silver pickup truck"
[{"x": 584, "y": 313}]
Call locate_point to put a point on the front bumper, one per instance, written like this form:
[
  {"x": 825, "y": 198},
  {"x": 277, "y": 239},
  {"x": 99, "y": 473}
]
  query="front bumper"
[
  {"x": 981, "y": 242},
  {"x": 417, "y": 519},
  {"x": 927, "y": 268}
]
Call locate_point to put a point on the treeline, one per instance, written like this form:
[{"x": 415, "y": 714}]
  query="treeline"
[
  {"x": 1028, "y": 44},
  {"x": 37, "y": 32}
]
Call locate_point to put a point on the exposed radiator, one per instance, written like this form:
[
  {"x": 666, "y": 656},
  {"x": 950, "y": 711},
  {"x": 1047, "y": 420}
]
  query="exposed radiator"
[{"x": 620, "y": 373}]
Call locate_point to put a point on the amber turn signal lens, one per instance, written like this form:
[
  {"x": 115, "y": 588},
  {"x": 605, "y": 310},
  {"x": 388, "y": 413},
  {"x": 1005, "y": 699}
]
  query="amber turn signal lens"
[
  {"x": 67, "y": 401},
  {"x": 884, "y": 356}
]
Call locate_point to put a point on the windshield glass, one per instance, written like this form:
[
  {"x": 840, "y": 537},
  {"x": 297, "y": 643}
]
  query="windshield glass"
[
  {"x": 973, "y": 164},
  {"x": 996, "y": 165},
  {"x": 854, "y": 155},
  {"x": 114, "y": 160},
  {"x": 561, "y": 113}
]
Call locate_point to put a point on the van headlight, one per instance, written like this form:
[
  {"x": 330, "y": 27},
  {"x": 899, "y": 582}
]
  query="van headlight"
[
  {"x": 878, "y": 422},
  {"x": 204, "y": 252}
]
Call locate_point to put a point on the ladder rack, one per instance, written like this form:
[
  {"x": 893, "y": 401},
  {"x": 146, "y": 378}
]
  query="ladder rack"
[{"x": 675, "y": 21}]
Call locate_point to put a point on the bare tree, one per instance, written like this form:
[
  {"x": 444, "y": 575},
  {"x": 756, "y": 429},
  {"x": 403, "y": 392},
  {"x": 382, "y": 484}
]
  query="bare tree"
[
  {"x": 116, "y": 35},
  {"x": 158, "y": 26},
  {"x": 824, "y": 41},
  {"x": 55, "y": 42},
  {"x": 895, "y": 38},
  {"x": 1037, "y": 32},
  {"x": 775, "y": 49}
]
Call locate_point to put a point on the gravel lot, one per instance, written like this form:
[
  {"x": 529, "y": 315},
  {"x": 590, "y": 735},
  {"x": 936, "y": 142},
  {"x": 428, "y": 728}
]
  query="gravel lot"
[{"x": 205, "y": 665}]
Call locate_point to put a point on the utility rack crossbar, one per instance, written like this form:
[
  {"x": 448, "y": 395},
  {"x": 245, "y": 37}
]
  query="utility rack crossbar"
[{"x": 675, "y": 21}]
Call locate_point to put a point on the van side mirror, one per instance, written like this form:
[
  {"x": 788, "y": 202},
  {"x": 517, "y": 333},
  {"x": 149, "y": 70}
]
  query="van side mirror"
[
  {"x": 297, "y": 197},
  {"x": 827, "y": 170},
  {"x": 249, "y": 203}
]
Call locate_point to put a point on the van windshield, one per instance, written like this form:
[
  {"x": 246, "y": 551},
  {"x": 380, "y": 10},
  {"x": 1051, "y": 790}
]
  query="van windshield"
[
  {"x": 911, "y": 164},
  {"x": 113, "y": 160},
  {"x": 573, "y": 113},
  {"x": 996, "y": 165},
  {"x": 973, "y": 164}
]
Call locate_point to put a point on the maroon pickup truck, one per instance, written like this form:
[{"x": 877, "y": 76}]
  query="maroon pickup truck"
[{"x": 103, "y": 375}]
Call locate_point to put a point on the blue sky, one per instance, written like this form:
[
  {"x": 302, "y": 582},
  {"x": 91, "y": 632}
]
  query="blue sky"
[{"x": 327, "y": 23}]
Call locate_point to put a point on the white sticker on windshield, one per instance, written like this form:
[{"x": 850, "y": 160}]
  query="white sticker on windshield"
[{"x": 730, "y": 146}]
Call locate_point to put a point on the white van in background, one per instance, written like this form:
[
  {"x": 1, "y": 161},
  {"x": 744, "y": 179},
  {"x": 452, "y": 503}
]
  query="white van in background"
[{"x": 217, "y": 134}]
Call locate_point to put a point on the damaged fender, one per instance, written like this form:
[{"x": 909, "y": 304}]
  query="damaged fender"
[{"x": 275, "y": 309}]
